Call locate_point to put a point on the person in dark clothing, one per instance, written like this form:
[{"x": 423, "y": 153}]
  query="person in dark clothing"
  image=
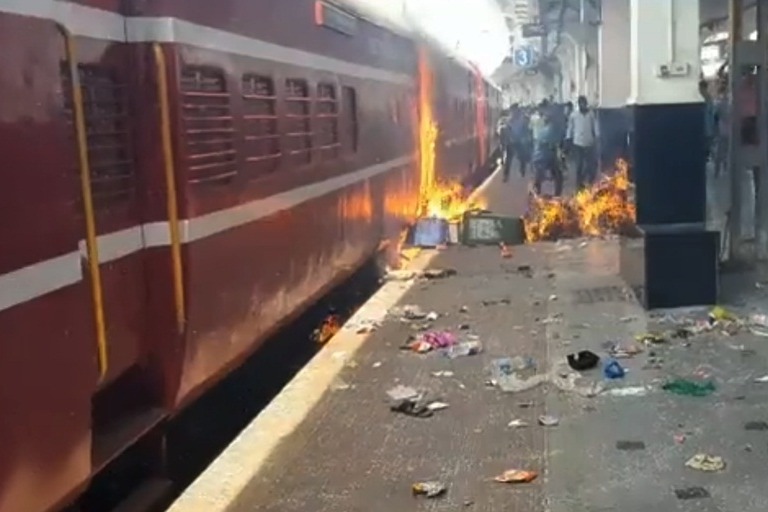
[
  {"x": 516, "y": 141},
  {"x": 545, "y": 160}
]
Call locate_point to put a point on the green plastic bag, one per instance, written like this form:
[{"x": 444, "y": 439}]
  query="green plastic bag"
[{"x": 690, "y": 387}]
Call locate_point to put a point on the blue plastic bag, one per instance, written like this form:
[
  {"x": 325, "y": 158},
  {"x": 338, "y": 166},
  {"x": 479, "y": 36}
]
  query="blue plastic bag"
[{"x": 613, "y": 370}]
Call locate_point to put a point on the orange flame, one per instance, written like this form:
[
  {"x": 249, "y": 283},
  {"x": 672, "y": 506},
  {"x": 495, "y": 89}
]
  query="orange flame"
[
  {"x": 327, "y": 329},
  {"x": 445, "y": 200},
  {"x": 602, "y": 209}
]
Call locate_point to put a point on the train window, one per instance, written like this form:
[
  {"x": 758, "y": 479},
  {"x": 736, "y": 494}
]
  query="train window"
[
  {"x": 297, "y": 102},
  {"x": 208, "y": 126},
  {"x": 327, "y": 121},
  {"x": 107, "y": 120},
  {"x": 349, "y": 109},
  {"x": 262, "y": 138}
]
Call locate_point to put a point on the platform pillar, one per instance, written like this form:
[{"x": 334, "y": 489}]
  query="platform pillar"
[
  {"x": 673, "y": 258},
  {"x": 614, "y": 80}
]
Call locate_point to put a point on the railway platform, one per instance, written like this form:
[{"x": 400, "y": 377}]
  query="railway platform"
[{"x": 331, "y": 443}]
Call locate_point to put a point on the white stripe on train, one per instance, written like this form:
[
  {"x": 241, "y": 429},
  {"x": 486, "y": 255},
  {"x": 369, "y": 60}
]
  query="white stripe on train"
[
  {"x": 47, "y": 276},
  {"x": 101, "y": 24}
]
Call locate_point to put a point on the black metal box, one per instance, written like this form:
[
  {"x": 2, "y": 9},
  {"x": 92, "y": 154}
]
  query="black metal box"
[{"x": 671, "y": 267}]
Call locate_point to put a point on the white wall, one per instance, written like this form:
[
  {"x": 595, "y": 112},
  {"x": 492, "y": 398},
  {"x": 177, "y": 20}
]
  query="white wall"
[
  {"x": 614, "y": 54},
  {"x": 662, "y": 31}
]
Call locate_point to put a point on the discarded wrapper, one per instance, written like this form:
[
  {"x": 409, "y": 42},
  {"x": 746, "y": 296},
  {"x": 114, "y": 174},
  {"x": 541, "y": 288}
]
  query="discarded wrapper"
[
  {"x": 705, "y": 462},
  {"x": 431, "y": 489},
  {"x": 549, "y": 421},
  {"x": 516, "y": 476},
  {"x": 437, "y": 406}
]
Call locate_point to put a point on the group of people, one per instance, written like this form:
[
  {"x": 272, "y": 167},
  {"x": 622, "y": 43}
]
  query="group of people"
[{"x": 545, "y": 136}]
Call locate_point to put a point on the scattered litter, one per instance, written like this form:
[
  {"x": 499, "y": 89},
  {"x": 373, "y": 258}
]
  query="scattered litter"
[
  {"x": 516, "y": 476},
  {"x": 377, "y": 364},
  {"x": 411, "y": 312},
  {"x": 412, "y": 407},
  {"x": 490, "y": 302},
  {"x": 432, "y": 316},
  {"x": 432, "y": 489},
  {"x": 463, "y": 349},
  {"x": 362, "y": 326},
  {"x": 552, "y": 298},
  {"x": 583, "y": 360},
  {"x": 525, "y": 270},
  {"x": 682, "y": 333},
  {"x": 506, "y": 252},
  {"x": 442, "y": 373},
  {"x": 569, "y": 382},
  {"x": 438, "y": 273},
  {"x": 756, "y": 425},
  {"x": 627, "y": 319},
  {"x": 691, "y": 493},
  {"x": 679, "y": 438},
  {"x": 706, "y": 462},
  {"x": 517, "y": 423},
  {"x": 630, "y": 445},
  {"x": 720, "y": 314},
  {"x": 525, "y": 405},
  {"x": 506, "y": 366},
  {"x": 400, "y": 275},
  {"x": 618, "y": 351},
  {"x": 627, "y": 391},
  {"x": 463, "y": 309},
  {"x": 762, "y": 379},
  {"x": 547, "y": 420},
  {"x": 431, "y": 340},
  {"x": 514, "y": 384},
  {"x": 437, "y": 406},
  {"x": 401, "y": 392},
  {"x": 651, "y": 339},
  {"x": 341, "y": 386},
  {"x": 690, "y": 387},
  {"x": 464, "y": 327},
  {"x": 551, "y": 319},
  {"x": 613, "y": 370}
]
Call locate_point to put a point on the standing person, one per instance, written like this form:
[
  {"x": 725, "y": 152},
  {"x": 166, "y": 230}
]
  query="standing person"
[
  {"x": 582, "y": 136},
  {"x": 545, "y": 155},
  {"x": 517, "y": 141},
  {"x": 709, "y": 118},
  {"x": 722, "y": 132}
]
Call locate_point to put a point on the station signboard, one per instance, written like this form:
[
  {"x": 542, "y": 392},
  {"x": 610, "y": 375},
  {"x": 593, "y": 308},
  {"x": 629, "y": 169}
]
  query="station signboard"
[
  {"x": 534, "y": 30},
  {"x": 330, "y": 16}
]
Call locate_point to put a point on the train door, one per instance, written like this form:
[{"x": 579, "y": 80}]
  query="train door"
[{"x": 101, "y": 104}]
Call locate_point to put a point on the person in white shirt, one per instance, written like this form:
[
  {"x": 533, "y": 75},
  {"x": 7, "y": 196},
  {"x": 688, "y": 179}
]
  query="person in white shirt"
[{"x": 582, "y": 138}]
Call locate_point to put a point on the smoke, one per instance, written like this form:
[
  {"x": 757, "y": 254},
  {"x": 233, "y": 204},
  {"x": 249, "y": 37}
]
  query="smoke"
[{"x": 472, "y": 30}]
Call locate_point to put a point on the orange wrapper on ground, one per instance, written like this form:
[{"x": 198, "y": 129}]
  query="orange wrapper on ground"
[{"x": 516, "y": 476}]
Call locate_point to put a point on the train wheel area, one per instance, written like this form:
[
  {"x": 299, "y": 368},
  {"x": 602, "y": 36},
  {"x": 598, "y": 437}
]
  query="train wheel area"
[{"x": 456, "y": 380}]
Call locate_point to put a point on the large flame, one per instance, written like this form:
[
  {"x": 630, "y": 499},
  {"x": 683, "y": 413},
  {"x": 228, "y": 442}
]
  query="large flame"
[
  {"x": 602, "y": 209},
  {"x": 441, "y": 199}
]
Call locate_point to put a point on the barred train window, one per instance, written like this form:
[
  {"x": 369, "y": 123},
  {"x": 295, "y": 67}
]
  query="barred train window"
[
  {"x": 349, "y": 109},
  {"x": 327, "y": 121},
  {"x": 262, "y": 138},
  {"x": 208, "y": 126},
  {"x": 108, "y": 129},
  {"x": 298, "y": 114}
]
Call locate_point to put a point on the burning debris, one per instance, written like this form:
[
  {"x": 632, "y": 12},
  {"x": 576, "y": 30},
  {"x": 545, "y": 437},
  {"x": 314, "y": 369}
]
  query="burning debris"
[
  {"x": 443, "y": 200},
  {"x": 330, "y": 326},
  {"x": 604, "y": 208}
]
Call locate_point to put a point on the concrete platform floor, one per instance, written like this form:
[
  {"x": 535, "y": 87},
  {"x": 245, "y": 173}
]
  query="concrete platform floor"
[{"x": 330, "y": 443}]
